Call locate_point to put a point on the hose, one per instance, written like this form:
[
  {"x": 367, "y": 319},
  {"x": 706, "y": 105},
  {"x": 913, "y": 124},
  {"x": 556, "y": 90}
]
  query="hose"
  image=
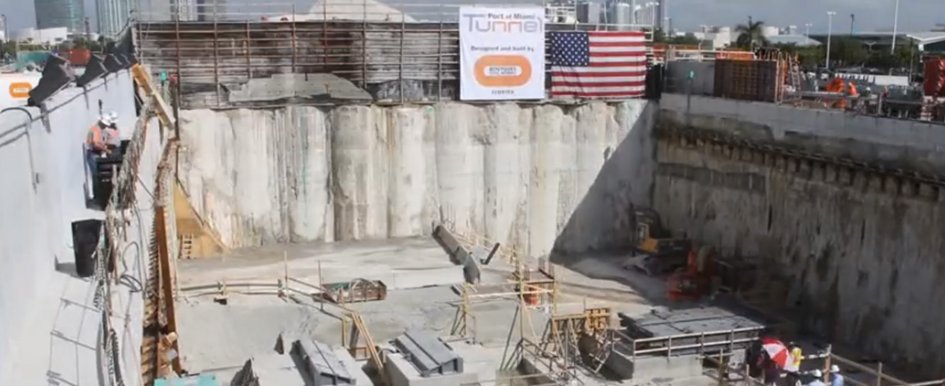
[{"x": 34, "y": 180}]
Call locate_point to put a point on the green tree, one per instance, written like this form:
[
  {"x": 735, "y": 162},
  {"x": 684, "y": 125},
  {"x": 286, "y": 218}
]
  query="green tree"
[
  {"x": 847, "y": 51},
  {"x": 750, "y": 36}
]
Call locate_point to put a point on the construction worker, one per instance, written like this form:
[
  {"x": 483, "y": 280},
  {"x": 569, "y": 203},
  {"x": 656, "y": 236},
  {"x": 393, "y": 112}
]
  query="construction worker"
[
  {"x": 835, "y": 378},
  {"x": 95, "y": 146},
  {"x": 112, "y": 136},
  {"x": 817, "y": 378},
  {"x": 772, "y": 373},
  {"x": 95, "y": 140},
  {"x": 794, "y": 370}
]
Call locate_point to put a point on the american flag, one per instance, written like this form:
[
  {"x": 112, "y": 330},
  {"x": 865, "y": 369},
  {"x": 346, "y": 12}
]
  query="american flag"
[{"x": 598, "y": 64}]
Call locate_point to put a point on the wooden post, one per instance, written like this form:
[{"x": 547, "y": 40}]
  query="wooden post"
[
  {"x": 294, "y": 41},
  {"x": 879, "y": 374},
  {"x": 285, "y": 269},
  {"x": 167, "y": 295},
  {"x": 721, "y": 369},
  {"x": 249, "y": 61},
  {"x": 439, "y": 58},
  {"x": 403, "y": 32},
  {"x": 216, "y": 60},
  {"x": 364, "y": 41},
  {"x": 829, "y": 357}
]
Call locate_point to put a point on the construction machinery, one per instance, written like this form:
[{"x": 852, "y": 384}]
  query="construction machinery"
[
  {"x": 697, "y": 279},
  {"x": 658, "y": 252}
]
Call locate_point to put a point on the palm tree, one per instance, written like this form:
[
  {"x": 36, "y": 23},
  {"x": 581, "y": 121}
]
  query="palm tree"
[{"x": 750, "y": 36}]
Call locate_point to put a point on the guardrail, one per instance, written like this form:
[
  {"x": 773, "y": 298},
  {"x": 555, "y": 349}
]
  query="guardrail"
[{"x": 705, "y": 341}]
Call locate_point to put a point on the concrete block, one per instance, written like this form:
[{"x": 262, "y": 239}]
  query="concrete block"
[
  {"x": 403, "y": 373},
  {"x": 647, "y": 368}
]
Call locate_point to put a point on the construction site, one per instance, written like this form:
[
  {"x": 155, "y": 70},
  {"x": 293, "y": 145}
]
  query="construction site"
[{"x": 310, "y": 198}]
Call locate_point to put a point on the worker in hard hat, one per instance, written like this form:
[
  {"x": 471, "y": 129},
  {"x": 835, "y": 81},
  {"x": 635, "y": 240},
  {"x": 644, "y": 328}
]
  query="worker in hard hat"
[
  {"x": 112, "y": 135},
  {"x": 836, "y": 379},
  {"x": 817, "y": 378},
  {"x": 95, "y": 141},
  {"x": 793, "y": 369},
  {"x": 96, "y": 146}
]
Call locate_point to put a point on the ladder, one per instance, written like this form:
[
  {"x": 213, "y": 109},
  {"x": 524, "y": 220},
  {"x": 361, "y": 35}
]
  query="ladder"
[
  {"x": 186, "y": 246},
  {"x": 605, "y": 346}
]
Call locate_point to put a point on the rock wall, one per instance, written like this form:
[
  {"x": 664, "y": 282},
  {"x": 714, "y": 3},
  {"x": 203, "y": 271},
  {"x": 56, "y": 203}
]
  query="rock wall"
[
  {"x": 862, "y": 252},
  {"x": 519, "y": 174}
]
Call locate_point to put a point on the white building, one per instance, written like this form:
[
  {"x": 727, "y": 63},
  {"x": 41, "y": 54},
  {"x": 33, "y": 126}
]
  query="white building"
[
  {"x": 42, "y": 36},
  {"x": 112, "y": 15},
  {"x": 718, "y": 37}
]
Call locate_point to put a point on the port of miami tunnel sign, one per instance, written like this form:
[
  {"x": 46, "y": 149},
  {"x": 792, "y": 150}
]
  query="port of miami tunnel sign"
[{"x": 502, "y": 53}]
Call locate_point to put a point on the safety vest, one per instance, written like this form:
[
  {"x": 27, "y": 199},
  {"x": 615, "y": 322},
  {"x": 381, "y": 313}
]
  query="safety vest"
[{"x": 95, "y": 139}]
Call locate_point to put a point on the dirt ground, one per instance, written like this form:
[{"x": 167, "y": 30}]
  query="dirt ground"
[{"x": 219, "y": 338}]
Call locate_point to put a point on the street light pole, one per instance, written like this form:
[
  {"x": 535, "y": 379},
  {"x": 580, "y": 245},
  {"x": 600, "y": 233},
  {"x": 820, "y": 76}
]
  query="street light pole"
[
  {"x": 892, "y": 48},
  {"x": 829, "y": 31},
  {"x": 653, "y": 12}
]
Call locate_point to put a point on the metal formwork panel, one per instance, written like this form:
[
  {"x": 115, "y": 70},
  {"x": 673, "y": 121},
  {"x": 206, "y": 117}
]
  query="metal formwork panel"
[
  {"x": 429, "y": 354},
  {"x": 719, "y": 328},
  {"x": 319, "y": 363}
]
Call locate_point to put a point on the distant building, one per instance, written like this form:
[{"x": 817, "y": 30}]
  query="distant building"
[
  {"x": 42, "y": 36},
  {"x": 165, "y": 10},
  {"x": 112, "y": 16},
  {"x": 210, "y": 10},
  {"x": 60, "y": 13},
  {"x": 715, "y": 37},
  {"x": 793, "y": 39},
  {"x": 923, "y": 41},
  {"x": 367, "y": 10}
]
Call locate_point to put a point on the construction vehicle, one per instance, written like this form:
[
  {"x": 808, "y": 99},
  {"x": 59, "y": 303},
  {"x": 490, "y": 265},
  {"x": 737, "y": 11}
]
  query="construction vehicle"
[
  {"x": 658, "y": 252},
  {"x": 697, "y": 279}
]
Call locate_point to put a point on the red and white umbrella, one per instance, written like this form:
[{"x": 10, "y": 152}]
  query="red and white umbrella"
[{"x": 779, "y": 353}]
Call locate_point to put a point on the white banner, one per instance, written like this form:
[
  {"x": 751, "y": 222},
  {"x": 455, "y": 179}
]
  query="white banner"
[{"x": 502, "y": 53}]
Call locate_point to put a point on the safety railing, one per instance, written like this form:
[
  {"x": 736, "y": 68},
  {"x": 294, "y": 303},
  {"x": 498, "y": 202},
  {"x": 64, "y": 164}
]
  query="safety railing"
[{"x": 712, "y": 341}]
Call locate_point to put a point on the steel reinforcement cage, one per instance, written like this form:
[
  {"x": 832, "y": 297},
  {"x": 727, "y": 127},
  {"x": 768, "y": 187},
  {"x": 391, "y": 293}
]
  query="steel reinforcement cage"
[{"x": 396, "y": 55}]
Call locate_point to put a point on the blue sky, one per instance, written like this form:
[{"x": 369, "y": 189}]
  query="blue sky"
[{"x": 915, "y": 15}]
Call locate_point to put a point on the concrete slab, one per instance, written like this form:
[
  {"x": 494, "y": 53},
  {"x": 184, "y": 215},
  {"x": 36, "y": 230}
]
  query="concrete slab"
[{"x": 403, "y": 373}]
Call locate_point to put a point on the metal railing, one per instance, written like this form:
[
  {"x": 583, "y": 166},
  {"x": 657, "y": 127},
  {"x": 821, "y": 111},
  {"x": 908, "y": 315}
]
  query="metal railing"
[{"x": 724, "y": 340}]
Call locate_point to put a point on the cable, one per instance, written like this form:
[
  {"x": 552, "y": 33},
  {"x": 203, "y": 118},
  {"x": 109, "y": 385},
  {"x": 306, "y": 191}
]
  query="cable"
[{"x": 29, "y": 140}]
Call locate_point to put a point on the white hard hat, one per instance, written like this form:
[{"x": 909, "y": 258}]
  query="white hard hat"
[
  {"x": 834, "y": 369},
  {"x": 105, "y": 119},
  {"x": 817, "y": 373}
]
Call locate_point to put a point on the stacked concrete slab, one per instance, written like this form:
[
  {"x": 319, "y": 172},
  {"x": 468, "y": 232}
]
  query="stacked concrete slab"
[{"x": 425, "y": 360}]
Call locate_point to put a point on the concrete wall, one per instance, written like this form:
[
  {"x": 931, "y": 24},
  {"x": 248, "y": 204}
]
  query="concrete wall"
[
  {"x": 862, "y": 253},
  {"x": 42, "y": 169},
  {"x": 519, "y": 174}
]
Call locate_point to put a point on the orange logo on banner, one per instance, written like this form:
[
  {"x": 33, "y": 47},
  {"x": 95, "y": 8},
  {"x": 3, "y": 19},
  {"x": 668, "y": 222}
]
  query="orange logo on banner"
[
  {"x": 503, "y": 70},
  {"x": 20, "y": 89}
]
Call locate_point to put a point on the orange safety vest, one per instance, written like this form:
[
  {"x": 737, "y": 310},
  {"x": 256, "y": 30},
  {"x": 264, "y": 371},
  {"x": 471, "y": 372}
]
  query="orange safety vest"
[{"x": 95, "y": 140}]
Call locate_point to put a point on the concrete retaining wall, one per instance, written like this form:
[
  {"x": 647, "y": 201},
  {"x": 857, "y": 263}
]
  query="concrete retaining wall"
[
  {"x": 42, "y": 169},
  {"x": 862, "y": 253},
  {"x": 513, "y": 173}
]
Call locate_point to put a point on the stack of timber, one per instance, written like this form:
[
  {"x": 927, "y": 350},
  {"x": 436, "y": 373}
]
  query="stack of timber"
[{"x": 753, "y": 80}]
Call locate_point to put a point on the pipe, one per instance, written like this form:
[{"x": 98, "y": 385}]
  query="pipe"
[{"x": 34, "y": 178}]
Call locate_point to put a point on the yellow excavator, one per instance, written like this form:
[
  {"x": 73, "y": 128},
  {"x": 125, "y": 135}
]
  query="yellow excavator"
[{"x": 658, "y": 252}]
